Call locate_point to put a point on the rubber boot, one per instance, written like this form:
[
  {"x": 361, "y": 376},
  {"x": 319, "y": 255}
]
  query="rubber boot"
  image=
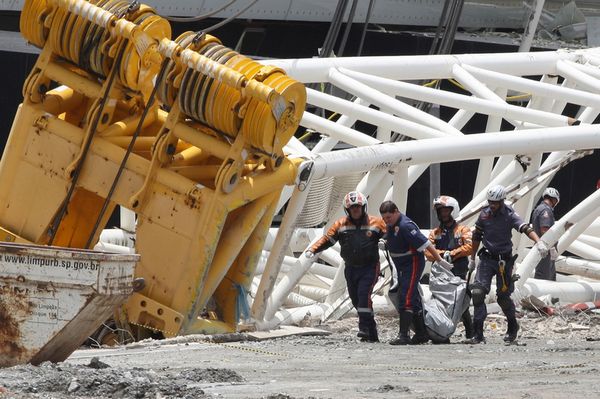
[
  {"x": 404, "y": 321},
  {"x": 373, "y": 336},
  {"x": 421, "y": 335},
  {"x": 468, "y": 323},
  {"x": 512, "y": 330},
  {"x": 363, "y": 334},
  {"x": 478, "y": 337}
]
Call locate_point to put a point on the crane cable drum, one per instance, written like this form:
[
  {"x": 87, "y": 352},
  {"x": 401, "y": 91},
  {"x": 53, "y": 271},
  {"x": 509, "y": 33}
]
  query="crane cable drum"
[{"x": 206, "y": 99}]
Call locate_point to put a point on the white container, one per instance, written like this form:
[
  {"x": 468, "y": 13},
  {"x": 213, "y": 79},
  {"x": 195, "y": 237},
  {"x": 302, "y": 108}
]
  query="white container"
[{"x": 53, "y": 298}]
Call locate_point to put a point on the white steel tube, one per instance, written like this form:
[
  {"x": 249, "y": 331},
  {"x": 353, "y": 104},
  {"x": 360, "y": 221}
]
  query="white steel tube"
[
  {"x": 534, "y": 87},
  {"x": 575, "y": 292},
  {"x": 400, "y": 188},
  {"x": 579, "y": 267},
  {"x": 336, "y": 130},
  {"x": 390, "y": 155},
  {"x": 490, "y": 103},
  {"x": 507, "y": 176},
  {"x": 311, "y": 70},
  {"x": 534, "y": 18},
  {"x": 577, "y": 229},
  {"x": 378, "y": 118},
  {"x": 581, "y": 78},
  {"x": 285, "y": 286},
  {"x": 286, "y": 229},
  {"x": 594, "y": 229},
  {"x": 584, "y": 208},
  {"x": 584, "y": 250},
  {"x": 378, "y": 98}
]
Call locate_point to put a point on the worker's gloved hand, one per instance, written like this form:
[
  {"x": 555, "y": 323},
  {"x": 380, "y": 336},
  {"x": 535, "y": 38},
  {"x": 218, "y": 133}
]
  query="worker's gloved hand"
[
  {"x": 472, "y": 265},
  {"x": 447, "y": 257},
  {"x": 382, "y": 244},
  {"x": 515, "y": 277},
  {"x": 445, "y": 264},
  {"x": 309, "y": 254},
  {"x": 553, "y": 253},
  {"x": 542, "y": 248}
]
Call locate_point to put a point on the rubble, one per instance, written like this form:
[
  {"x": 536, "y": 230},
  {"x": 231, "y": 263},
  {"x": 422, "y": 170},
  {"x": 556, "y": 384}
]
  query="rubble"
[{"x": 553, "y": 352}]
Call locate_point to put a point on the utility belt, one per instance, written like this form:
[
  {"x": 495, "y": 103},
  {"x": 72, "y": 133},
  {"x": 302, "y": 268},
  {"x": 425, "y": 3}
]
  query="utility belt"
[{"x": 483, "y": 252}]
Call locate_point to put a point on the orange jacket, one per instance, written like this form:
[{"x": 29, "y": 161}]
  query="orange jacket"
[
  {"x": 358, "y": 242},
  {"x": 463, "y": 244}
]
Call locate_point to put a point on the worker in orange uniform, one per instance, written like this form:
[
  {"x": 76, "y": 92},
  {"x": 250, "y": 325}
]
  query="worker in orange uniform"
[
  {"x": 358, "y": 234},
  {"x": 453, "y": 241}
]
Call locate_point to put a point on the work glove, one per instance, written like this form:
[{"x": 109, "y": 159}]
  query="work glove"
[
  {"x": 445, "y": 264},
  {"x": 382, "y": 244},
  {"x": 472, "y": 265},
  {"x": 553, "y": 253},
  {"x": 515, "y": 277},
  {"x": 309, "y": 254},
  {"x": 542, "y": 248},
  {"x": 447, "y": 257}
]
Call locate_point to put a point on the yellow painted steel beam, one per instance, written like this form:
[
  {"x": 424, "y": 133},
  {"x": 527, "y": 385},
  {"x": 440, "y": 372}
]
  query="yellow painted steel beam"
[
  {"x": 240, "y": 275},
  {"x": 210, "y": 189}
]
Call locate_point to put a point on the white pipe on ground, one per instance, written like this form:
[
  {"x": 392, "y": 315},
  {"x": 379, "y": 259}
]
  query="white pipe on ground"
[
  {"x": 579, "y": 267},
  {"x": 566, "y": 292},
  {"x": 560, "y": 228}
]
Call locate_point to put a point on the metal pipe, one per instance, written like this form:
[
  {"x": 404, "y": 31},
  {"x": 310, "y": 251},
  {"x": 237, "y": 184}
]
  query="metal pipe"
[
  {"x": 390, "y": 155},
  {"x": 533, "y": 20},
  {"x": 376, "y": 97},
  {"x": 379, "y": 118}
]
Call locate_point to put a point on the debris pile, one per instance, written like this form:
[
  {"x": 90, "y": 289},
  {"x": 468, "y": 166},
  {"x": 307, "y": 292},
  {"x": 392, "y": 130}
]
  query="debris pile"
[{"x": 98, "y": 380}]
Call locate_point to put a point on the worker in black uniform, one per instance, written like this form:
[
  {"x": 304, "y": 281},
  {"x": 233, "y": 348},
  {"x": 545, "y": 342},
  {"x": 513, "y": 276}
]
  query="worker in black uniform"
[
  {"x": 542, "y": 219},
  {"x": 358, "y": 234},
  {"x": 406, "y": 245},
  {"x": 493, "y": 227}
]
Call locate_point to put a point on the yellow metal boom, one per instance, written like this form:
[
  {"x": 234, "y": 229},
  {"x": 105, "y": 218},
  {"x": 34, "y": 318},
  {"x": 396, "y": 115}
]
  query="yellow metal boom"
[{"x": 187, "y": 133}]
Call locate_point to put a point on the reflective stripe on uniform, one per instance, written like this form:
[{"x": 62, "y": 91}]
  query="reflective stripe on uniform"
[{"x": 399, "y": 255}]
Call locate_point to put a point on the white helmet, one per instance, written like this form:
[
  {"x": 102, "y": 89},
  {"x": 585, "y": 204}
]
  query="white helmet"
[
  {"x": 445, "y": 201},
  {"x": 552, "y": 193},
  {"x": 496, "y": 193},
  {"x": 355, "y": 198}
]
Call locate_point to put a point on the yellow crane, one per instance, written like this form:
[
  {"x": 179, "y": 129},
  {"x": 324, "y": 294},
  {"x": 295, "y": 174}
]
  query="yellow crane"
[{"x": 187, "y": 133}]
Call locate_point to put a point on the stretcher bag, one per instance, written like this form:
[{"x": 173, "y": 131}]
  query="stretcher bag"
[{"x": 449, "y": 299}]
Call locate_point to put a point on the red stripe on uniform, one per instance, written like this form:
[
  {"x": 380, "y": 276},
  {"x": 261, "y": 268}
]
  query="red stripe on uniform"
[{"x": 413, "y": 278}]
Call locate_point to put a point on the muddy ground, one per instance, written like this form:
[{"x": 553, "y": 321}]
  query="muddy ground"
[{"x": 556, "y": 357}]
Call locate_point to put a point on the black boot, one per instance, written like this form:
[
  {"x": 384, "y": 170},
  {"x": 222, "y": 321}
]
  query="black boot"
[
  {"x": 404, "y": 320},
  {"x": 468, "y": 323},
  {"x": 512, "y": 330},
  {"x": 421, "y": 335},
  {"x": 478, "y": 337}
]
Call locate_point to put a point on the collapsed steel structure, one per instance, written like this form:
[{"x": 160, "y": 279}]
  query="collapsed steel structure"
[{"x": 386, "y": 92}]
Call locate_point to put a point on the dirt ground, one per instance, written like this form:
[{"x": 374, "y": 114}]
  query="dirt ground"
[{"x": 556, "y": 357}]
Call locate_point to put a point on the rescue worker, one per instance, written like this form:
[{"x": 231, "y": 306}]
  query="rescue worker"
[
  {"x": 406, "y": 244},
  {"x": 542, "y": 219},
  {"x": 358, "y": 234},
  {"x": 493, "y": 228},
  {"x": 453, "y": 243}
]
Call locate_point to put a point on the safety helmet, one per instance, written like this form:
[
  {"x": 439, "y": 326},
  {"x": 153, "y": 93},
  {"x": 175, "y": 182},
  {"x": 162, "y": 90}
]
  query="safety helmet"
[
  {"x": 445, "y": 201},
  {"x": 552, "y": 193},
  {"x": 496, "y": 193},
  {"x": 355, "y": 198}
]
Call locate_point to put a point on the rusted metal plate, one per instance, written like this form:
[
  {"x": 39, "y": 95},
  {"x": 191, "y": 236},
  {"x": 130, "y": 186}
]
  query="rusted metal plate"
[{"x": 52, "y": 299}]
